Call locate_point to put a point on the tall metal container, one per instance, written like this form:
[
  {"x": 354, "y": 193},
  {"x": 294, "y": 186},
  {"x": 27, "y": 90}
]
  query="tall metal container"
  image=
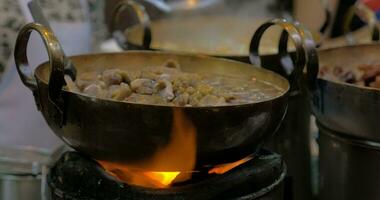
[
  {"x": 349, "y": 167},
  {"x": 292, "y": 141},
  {"x": 20, "y": 173},
  {"x": 347, "y": 116}
]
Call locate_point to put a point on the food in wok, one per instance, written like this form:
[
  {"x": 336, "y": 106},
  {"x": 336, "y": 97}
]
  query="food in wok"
[
  {"x": 367, "y": 75},
  {"x": 169, "y": 85},
  {"x": 123, "y": 132}
]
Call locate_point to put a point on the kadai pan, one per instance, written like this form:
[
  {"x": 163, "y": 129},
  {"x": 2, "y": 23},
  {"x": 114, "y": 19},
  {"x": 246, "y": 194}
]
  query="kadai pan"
[
  {"x": 343, "y": 107},
  {"x": 127, "y": 132}
]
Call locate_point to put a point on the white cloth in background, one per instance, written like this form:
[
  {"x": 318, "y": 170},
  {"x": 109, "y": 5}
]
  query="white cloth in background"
[{"x": 20, "y": 122}]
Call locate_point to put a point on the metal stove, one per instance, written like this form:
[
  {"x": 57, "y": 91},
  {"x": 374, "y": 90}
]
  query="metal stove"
[{"x": 77, "y": 177}]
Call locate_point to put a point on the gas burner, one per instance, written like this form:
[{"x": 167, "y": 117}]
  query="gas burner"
[{"x": 76, "y": 177}]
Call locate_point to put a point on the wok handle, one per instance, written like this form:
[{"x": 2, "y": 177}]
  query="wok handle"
[
  {"x": 143, "y": 17},
  {"x": 312, "y": 60},
  {"x": 289, "y": 30},
  {"x": 56, "y": 61},
  {"x": 367, "y": 15},
  {"x": 328, "y": 19}
]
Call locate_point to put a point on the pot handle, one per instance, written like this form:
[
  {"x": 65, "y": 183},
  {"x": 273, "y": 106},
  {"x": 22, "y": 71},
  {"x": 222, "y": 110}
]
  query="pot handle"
[
  {"x": 367, "y": 15},
  {"x": 328, "y": 19},
  {"x": 325, "y": 26},
  {"x": 285, "y": 59},
  {"x": 312, "y": 60},
  {"x": 143, "y": 17},
  {"x": 56, "y": 61}
]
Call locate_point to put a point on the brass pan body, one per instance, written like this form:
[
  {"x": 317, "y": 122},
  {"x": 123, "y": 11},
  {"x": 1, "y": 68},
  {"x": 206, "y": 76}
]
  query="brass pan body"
[{"x": 126, "y": 132}]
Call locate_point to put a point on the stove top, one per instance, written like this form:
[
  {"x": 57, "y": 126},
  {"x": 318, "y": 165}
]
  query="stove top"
[{"x": 76, "y": 177}]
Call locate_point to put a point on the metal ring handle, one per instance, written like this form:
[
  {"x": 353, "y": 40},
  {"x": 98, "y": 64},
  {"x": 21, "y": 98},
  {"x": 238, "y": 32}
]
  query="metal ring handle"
[
  {"x": 326, "y": 25},
  {"x": 142, "y": 16},
  {"x": 309, "y": 48},
  {"x": 289, "y": 30},
  {"x": 312, "y": 60},
  {"x": 369, "y": 18},
  {"x": 39, "y": 17},
  {"x": 328, "y": 20},
  {"x": 56, "y": 61}
]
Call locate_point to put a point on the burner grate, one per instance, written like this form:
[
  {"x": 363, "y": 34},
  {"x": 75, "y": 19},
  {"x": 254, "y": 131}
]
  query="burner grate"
[{"x": 75, "y": 177}]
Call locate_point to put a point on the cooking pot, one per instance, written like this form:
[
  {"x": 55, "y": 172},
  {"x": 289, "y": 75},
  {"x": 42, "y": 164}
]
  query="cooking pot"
[
  {"x": 220, "y": 35},
  {"x": 354, "y": 161},
  {"x": 127, "y": 132},
  {"x": 348, "y": 108},
  {"x": 21, "y": 171}
]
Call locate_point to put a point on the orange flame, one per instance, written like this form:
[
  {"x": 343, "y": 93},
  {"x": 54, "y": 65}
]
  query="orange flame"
[
  {"x": 164, "y": 178},
  {"x": 221, "y": 169},
  {"x": 166, "y": 165}
]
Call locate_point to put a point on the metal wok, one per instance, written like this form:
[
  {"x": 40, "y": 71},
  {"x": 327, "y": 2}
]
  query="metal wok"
[
  {"x": 126, "y": 132},
  {"x": 220, "y": 35},
  {"x": 347, "y": 108}
]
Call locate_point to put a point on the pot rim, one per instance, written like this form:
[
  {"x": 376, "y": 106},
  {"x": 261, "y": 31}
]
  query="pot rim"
[{"x": 339, "y": 83}]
